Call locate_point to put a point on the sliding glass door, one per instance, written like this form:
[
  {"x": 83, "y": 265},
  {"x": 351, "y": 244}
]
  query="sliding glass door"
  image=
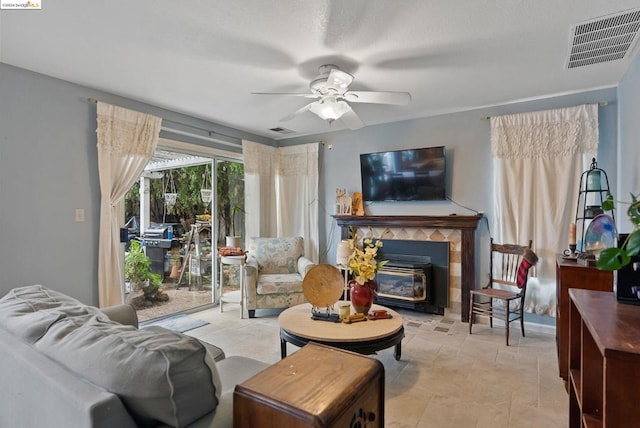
[
  {"x": 180, "y": 212},
  {"x": 230, "y": 216}
]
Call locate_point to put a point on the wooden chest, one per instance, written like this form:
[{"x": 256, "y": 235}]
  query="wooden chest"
[{"x": 317, "y": 386}]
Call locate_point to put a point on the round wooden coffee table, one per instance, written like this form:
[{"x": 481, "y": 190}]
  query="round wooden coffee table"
[{"x": 365, "y": 337}]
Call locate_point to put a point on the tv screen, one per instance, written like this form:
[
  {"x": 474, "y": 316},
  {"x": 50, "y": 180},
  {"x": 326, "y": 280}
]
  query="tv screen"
[{"x": 404, "y": 175}]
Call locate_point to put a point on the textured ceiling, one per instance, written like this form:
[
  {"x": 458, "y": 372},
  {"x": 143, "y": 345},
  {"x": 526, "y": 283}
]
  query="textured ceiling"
[{"x": 205, "y": 58}]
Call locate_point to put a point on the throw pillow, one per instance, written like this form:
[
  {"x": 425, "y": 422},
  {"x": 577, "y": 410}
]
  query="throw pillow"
[{"x": 161, "y": 376}]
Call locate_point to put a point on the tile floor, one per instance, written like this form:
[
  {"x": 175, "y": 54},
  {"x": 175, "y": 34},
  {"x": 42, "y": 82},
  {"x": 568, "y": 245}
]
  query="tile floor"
[{"x": 446, "y": 377}]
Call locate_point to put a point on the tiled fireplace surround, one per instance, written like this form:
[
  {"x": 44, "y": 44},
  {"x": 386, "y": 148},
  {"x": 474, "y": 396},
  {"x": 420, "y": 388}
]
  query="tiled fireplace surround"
[{"x": 458, "y": 230}]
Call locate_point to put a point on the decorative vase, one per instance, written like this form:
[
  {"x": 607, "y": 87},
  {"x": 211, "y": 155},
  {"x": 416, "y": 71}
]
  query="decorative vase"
[
  {"x": 362, "y": 295},
  {"x": 343, "y": 252},
  {"x": 232, "y": 241}
]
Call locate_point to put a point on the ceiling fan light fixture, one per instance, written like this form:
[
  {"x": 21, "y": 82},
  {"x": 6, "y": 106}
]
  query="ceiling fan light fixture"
[
  {"x": 331, "y": 80},
  {"x": 331, "y": 89},
  {"x": 339, "y": 80},
  {"x": 330, "y": 110}
]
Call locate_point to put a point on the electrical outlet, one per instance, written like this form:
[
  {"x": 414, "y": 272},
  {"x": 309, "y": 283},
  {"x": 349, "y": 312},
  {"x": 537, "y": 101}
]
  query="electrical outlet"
[{"x": 79, "y": 215}]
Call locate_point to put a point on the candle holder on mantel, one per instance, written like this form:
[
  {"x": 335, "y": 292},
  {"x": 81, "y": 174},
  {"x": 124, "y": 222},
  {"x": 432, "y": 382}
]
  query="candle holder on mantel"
[
  {"x": 594, "y": 188},
  {"x": 571, "y": 252}
]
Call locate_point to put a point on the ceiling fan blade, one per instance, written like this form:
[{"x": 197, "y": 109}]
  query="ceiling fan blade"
[
  {"x": 339, "y": 80},
  {"x": 289, "y": 94},
  {"x": 398, "y": 98},
  {"x": 299, "y": 111},
  {"x": 352, "y": 120}
]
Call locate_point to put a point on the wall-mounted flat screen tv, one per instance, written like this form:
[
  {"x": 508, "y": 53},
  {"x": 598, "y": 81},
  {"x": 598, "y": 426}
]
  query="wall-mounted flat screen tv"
[{"x": 404, "y": 175}]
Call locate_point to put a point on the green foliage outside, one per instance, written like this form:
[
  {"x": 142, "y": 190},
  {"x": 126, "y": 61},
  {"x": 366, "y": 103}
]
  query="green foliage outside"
[
  {"x": 137, "y": 269},
  {"x": 188, "y": 182},
  {"x": 230, "y": 197},
  {"x": 616, "y": 258}
]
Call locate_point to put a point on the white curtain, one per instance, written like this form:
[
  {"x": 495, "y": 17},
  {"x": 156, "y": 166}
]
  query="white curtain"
[
  {"x": 297, "y": 195},
  {"x": 281, "y": 192},
  {"x": 259, "y": 189},
  {"x": 126, "y": 141},
  {"x": 538, "y": 159}
]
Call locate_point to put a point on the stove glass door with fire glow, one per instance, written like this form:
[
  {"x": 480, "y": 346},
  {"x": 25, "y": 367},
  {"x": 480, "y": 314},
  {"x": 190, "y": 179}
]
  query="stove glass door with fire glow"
[{"x": 402, "y": 283}]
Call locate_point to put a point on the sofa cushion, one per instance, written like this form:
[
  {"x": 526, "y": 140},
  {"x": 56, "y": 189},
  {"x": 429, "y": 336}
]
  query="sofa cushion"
[
  {"x": 28, "y": 312},
  {"x": 159, "y": 375},
  {"x": 279, "y": 283},
  {"x": 37, "y": 392},
  {"x": 276, "y": 255}
]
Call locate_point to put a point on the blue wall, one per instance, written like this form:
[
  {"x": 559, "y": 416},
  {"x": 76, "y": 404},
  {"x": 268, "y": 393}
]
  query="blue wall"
[
  {"x": 48, "y": 168},
  {"x": 467, "y": 139},
  {"x": 628, "y": 169}
]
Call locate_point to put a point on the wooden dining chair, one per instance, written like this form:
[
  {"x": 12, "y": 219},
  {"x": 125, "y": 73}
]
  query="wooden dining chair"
[{"x": 509, "y": 266}]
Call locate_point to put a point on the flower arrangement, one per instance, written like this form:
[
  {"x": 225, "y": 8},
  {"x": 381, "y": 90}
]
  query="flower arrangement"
[{"x": 363, "y": 262}]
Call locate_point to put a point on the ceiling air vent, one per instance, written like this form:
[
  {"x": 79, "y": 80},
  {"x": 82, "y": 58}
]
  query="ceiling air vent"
[
  {"x": 604, "y": 39},
  {"x": 282, "y": 130}
]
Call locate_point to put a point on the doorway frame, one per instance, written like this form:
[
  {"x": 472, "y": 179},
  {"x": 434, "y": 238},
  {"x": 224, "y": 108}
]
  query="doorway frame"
[{"x": 214, "y": 155}]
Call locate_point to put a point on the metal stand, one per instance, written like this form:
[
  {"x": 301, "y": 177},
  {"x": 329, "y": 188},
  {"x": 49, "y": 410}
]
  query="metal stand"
[
  {"x": 192, "y": 258},
  {"x": 238, "y": 261}
]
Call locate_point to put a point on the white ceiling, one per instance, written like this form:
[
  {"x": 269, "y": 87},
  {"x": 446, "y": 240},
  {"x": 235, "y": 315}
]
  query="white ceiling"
[{"x": 205, "y": 57}]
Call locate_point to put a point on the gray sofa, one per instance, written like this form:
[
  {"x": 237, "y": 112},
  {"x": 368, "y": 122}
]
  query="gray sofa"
[{"x": 65, "y": 364}]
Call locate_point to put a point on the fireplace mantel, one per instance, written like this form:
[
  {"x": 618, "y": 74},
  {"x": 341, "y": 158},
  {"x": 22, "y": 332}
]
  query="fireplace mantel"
[
  {"x": 466, "y": 224},
  {"x": 462, "y": 222}
]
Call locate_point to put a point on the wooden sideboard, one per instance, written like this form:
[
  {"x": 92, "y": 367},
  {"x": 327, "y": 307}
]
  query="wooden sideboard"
[
  {"x": 604, "y": 361},
  {"x": 569, "y": 274}
]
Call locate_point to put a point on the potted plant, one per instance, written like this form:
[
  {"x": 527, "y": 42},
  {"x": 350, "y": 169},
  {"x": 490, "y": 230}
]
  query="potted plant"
[
  {"x": 616, "y": 258},
  {"x": 363, "y": 265},
  {"x": 137, "y": 269},
  {"x": 234, "y": 240}
]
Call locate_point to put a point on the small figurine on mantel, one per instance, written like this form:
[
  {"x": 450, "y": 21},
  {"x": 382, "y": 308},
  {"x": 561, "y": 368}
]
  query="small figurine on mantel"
[
  {"x": 357, "y": 207},
  {"x": 343, "y": 202}
]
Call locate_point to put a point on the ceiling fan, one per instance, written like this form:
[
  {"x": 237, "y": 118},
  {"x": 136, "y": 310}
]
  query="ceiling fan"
[{"x": 331, "y": 89}]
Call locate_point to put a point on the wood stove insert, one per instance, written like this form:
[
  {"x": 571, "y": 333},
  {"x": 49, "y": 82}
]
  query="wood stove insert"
[{"x": 416, "y": 275}]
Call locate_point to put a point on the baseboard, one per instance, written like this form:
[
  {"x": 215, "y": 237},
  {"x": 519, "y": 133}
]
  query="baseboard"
[
  {"x": 547, "y": 329},
  {"x": 540, "y": 328}
]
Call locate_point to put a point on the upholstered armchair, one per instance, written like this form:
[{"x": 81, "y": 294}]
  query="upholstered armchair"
[{"x": 275, "y": 269}]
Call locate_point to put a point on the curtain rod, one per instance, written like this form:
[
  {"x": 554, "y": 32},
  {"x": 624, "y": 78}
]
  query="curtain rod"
[
  {"x": 600, "y": 103},
  {"x": 210, "y": 133}
]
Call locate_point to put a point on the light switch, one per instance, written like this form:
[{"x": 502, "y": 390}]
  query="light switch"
[{"x": 79, "y": 214}]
